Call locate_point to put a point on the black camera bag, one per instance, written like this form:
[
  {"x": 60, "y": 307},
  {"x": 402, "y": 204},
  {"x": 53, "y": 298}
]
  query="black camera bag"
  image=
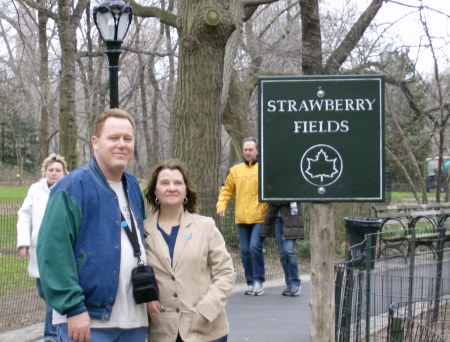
[{"x": 145, "y": 287}]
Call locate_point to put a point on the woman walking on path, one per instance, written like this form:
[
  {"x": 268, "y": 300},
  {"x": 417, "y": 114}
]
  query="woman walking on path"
[{"x": 29, "y": 221}]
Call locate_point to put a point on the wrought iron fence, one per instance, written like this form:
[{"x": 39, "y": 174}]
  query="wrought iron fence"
[
  {"x": 420, "y": 321},
  {"x": 373, "y": 289},
  {"x": 19, "y": 303}
]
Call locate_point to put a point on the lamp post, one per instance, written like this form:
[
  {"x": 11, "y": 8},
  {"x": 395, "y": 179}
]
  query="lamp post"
[{"x": 113, "y": 18}]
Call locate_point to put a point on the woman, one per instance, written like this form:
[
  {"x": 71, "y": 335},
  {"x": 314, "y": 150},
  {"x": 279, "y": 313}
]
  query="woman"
[
  {"x": 29, "y": 221},
  {"x": 193, "y": 269}
]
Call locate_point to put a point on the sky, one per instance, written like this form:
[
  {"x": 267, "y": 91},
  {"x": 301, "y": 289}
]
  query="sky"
[{"x": 403, "y": 21}]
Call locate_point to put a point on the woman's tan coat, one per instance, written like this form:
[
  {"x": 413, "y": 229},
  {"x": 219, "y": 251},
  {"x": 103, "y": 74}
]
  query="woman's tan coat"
[{"x": 195, "y": 288}]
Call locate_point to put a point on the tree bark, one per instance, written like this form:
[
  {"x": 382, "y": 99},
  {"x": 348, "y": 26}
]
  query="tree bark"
[
  {"x": 67, "y": 25},
  {"x": 196, "y": 127},
  {"x": 44, "y": 84},
  {"x": 235, "y": 115}
]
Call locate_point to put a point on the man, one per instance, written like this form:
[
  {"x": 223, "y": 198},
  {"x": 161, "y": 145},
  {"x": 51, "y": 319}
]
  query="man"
[
  {"x": 284, "y": 221},
  {"x": 85, "y": 258},
  {"x": 242, "y": 180}
]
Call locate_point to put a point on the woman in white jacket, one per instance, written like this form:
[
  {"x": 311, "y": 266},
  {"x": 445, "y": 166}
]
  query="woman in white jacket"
[{"x": 29, "y": 221}]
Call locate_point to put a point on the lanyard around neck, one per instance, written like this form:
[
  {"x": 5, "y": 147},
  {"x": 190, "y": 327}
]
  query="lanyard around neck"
[{"x": 131, "y": 231}]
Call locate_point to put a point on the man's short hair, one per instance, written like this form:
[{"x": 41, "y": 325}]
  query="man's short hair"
[
  {"x": 250, "y": 139},
  {"x": 111, "y": 113}
]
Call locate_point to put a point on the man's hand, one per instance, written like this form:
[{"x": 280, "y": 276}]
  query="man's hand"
[
  {"x": 79, "y": 327},
  {"x": 221, "y": 213},
  {"x": 23, "y": 251}
]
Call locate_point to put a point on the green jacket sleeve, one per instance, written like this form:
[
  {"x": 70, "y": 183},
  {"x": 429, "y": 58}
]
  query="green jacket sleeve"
[{"x": 56, "y": 260}]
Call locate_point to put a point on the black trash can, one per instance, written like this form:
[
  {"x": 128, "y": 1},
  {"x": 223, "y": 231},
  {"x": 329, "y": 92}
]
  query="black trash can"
[{"x": 355, "y": 230}]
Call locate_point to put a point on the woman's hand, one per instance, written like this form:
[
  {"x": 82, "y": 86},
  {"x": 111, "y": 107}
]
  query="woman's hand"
[{"x": 155, "y": 307}]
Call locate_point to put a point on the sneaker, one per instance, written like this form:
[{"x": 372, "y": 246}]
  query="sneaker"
[
  {"x": 286, "y": 291},
  {"x": 295, "y": 290},
  {"x": 258, "y": 288},
  {"x": 249, "y": 290}
]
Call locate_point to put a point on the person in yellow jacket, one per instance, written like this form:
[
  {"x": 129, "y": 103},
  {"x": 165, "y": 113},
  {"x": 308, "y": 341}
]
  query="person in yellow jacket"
[{"x": 242, "y": 181}]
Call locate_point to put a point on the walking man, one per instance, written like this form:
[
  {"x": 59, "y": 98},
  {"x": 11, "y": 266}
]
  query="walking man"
[
  {"x": 85, "y": 256},
  {"x": 242, "y": 181}
]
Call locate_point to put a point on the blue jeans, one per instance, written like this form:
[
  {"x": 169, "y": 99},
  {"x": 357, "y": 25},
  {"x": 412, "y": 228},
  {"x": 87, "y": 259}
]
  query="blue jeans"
[
  {"x": 108, "y": 334},
  {"x": 50, "y": 330},
  {"x": 288, "y": 257},
  {"x": 252, "y": 254}
]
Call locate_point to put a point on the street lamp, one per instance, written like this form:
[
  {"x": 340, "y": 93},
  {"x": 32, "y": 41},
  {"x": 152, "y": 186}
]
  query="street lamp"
[{"x": 113, "y": 18}]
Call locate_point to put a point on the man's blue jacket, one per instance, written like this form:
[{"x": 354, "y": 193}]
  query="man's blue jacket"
[{"x": 79, "y": 242}]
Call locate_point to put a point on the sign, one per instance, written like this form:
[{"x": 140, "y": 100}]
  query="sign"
[{"x": 321, "y": 138}]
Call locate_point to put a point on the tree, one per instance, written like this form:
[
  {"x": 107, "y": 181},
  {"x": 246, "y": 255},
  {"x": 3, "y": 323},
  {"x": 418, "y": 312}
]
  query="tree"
[
  {"x": 17, "y": 136},
  {"x": 67, "y": 18},
  {"x": 197, "y": 119},
  {"x": 44, "y": 84}
]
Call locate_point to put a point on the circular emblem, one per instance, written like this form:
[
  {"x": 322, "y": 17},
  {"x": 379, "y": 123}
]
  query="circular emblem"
[{"x": 321, "y": 165}]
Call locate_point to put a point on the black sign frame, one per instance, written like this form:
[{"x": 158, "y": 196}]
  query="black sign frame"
[{"x": 321, "y": 138}]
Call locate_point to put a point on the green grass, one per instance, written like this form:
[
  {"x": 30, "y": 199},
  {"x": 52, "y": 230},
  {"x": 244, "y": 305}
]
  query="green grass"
[
  {"x": 304, "y": 250},
  {"x": 8, "y": 231},
  {"x": 14, "y": 274},
  {"x": 7, "y": 192},
  {"x": 14, "y": 269},
  {"x": 397, "y": 196}
]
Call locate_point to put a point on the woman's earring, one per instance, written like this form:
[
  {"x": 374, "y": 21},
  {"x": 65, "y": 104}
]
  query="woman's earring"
[
  {"x": 185, "y": 201},
  {"x": 156, "y": 200}
]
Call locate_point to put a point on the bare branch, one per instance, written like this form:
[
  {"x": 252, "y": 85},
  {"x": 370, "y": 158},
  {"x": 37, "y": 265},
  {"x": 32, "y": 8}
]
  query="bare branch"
[
  {"x": 348, "y": 44},
  {"x": 250, "y": 6},
  {"x": 163, "y": 16},
  {"x": 249, "y": 3},
  {"x": 40, "y": 7}
]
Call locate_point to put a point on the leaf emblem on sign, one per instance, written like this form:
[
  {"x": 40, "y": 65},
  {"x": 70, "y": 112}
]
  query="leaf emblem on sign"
[{"x": 321, "y": 166}]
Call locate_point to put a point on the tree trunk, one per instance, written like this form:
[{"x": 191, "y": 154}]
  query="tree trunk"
[
  {"x": 196, "y": 127},
  {"x": 44, "y": 84},
  {"x": 67, "y": 122},
  {"x": 235, "y": 115},
  {"x": 412, "y": 161},
  {"x": 409, "y": 180},
  {"x": 67, "y": 26},
  {"x": 143, "y": 96}
]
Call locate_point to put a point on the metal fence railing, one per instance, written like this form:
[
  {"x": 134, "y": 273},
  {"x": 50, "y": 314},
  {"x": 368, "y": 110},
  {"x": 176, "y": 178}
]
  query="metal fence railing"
[
  {"x": 420, "y": 321},
  {"x": 19, "y": 303},
  {"x": 21, "y": 306},
  {"x": 374, "y": 290}
]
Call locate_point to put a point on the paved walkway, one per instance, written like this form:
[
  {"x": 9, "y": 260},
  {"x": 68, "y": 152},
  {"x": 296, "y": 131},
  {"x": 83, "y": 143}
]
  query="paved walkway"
[{"x": 267, "y": 318}]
